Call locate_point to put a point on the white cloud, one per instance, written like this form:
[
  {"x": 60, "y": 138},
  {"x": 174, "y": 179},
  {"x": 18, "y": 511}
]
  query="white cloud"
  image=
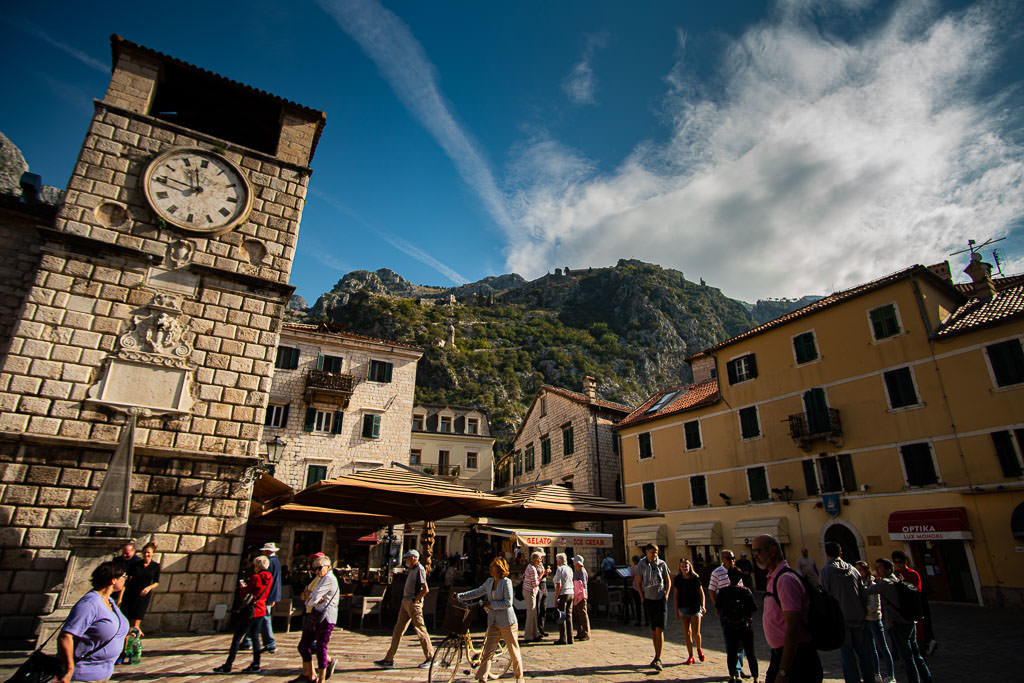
[
  {"x": 580, "y": 85},
  {"x": 403, "y": 62},
  {"x": 395, "y": 241},
  {"x": 820, "y": 163},
  {"x": 33, "y": 30}
]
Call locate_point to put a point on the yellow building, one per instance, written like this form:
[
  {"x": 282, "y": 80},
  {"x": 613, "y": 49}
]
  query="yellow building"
[{"x": 887, "y": 416}]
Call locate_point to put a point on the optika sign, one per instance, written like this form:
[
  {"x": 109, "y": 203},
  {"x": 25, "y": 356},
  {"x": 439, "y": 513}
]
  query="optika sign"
[{"x": 919, "y": 529}]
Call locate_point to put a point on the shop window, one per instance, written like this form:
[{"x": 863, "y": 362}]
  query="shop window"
[
  {"x": 287, "y": 358},
  {"x": 380, "y": 371},
  {"x": 1007, "y": 360},
  {"x": 650, "y": 500},
  {"x": 691, "y": 433},
  {"x": 645, "y": 446},
  {"x": 757, "y": 482},
  {"x": 698, "y": 491},
  {"x": 805, "y": 348},
  {"x": 919, "y": 465},
  {"x": 899, "y": 384},
  {"x": 315, "y": 473},
  {"x": 741, "y": 369},
  {"x": 750, "y": 426},
  {"x": 884, "y": 321},
  {"x": 1008, "y": 452}
]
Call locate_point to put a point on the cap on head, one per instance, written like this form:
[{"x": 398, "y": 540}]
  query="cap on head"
[{"x": 413, "y": 553}]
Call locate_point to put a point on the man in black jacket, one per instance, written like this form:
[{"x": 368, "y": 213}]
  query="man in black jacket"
[{"x": 736, "y": 608}]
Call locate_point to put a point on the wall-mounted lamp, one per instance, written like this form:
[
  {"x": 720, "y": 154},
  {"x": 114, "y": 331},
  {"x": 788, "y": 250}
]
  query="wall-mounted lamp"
[
  {"x": 785, "y": 494},
  {"x": 275, "y": 449}
]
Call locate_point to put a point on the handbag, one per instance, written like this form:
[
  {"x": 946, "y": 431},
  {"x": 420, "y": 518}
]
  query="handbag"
[
  {"x": 579, "y": 592},
  {"x": 43, "y": 668},
  {"x": 316, "y": 614}
]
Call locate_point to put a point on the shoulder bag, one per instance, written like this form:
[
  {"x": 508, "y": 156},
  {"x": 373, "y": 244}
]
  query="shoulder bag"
[{"x": 43, "y": 668}]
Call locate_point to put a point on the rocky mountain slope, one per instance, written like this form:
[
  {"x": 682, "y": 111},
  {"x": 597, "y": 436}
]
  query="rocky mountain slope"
[{"x": 630, "y": 326}]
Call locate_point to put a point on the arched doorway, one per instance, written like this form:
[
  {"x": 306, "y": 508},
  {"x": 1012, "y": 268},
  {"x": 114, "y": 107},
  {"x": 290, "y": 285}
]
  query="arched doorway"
[{"x": 841, "y": 534}]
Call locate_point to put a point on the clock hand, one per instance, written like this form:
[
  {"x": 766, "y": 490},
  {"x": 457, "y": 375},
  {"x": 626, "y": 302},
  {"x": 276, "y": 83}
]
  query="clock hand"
[{"x": 167, "y": 179}]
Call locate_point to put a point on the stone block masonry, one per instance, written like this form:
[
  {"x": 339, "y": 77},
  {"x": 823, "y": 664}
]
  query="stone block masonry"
[{"x": 198, "y": 537}]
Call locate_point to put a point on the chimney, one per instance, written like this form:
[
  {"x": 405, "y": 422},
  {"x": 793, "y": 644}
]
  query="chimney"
[
  {"x": 942, "y": 270},
  {"x": 590, "y": 388},
  {"x": 981, "y": 276}
]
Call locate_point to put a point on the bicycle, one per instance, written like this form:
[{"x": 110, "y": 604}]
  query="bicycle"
[{"x": 458, "y": 645}]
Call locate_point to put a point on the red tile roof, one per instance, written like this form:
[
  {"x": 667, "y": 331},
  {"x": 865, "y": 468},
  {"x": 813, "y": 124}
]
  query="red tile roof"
[
  {"x": 689, "y": 398},
  {"x": 581, "y": 398},
  {"x": 967, "y": 288},
  {"x": 336, "y": 331},
  {"x": 977, "y": 313},
  {"x": 826, "y": 302}
]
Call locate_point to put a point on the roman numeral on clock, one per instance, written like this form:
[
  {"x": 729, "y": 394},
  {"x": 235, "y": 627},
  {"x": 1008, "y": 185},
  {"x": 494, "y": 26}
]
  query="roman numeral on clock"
[{"x": 224, "y": 212}]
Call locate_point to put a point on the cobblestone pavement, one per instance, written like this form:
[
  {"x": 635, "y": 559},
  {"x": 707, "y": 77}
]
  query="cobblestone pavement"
[{"x": 988, "y": 645}]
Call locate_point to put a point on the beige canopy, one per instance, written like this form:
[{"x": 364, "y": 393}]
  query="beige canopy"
[{"x": 558, "y": 504}]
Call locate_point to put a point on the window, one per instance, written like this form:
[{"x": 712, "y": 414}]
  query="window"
[
  {"x": 884, "y": 321},
  {"x": 698, "y": 491},
  {"x": 650, "y": 500},
  {"x": 816, "y": 410},
  {"x": 417, "y": 423},
  {"x": 323, "y": 421},
  {"x": 371, "y": 426},
  {"x": 472, "y": 460},
  {"x": 331, "y": 364},
  {"x": 1009, "y": 457},
  {"x": 445, "y": 424},
  {"x": 691, "y": 432},
  {"x": 918, "y": 463},
  {"x": 444, "y": 462},
  {"x": 380, "y": 371},
  {"x": 315, "y": 473},
  {"x": 517, "y": 465},
  {"x": 741, "y": 369},
  {"x": 472, "y": 425},
  {"x": 529, "y": 459},
  {"x": 277, "y": 416},
  {"x": 287, "y": 358},
  {"x": 662, "y": 402},
  {"x": 900, "y": 385},
  {"x": 416, "y": 456},
  {"x": 757, "y": 482},
  {"x": 829, "y": 474},
  {"x": 645, "y": 445},
  {"x": 750, "y": 426},
  {"x": 543, "y": 406},
  {"x": 568, "y": 441},
  {"x": 1007, "y": 359},
  {"x": 805, "y": 348},
  {"x": 545, "y": 451}
]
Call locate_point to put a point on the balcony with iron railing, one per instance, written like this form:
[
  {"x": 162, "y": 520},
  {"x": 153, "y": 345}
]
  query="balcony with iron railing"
[
  {"x": 824, "y": 427},
  {"x": 330, "y": 387},
  {"x": 450, "y": 471}
]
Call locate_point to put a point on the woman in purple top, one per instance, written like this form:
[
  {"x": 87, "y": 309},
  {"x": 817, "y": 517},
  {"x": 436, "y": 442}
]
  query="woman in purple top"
[{"x": 93, "y": 634}]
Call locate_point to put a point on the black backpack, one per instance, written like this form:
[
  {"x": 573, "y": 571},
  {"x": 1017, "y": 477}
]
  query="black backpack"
[
  {"x": 825, "y": 620},
  {"x": 909, "y": 604}
]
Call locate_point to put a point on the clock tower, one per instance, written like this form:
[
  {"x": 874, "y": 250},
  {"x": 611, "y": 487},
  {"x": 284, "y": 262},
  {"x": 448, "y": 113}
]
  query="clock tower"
[{"x": 140, "y": 359}]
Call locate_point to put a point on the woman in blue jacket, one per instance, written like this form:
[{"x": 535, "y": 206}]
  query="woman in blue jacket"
[{"x": 501, "y": 619}]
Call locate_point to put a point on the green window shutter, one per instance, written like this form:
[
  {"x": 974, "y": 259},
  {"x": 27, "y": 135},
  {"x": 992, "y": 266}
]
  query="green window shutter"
[
  {"x": 650, "y": 499},
  {"x": 337, "y": 421},
  {"x": 846, "y": 470},
  {"x": 758, "y": 482},
  {"x": 315, "y": 473},
  {"x": 1007, "y": 359},
  {"x": 806, "y": 350},
  {"x": 310, "y": 419},
  {"x": 817, "y": 411},
  {"x": 388, "y": 368},
  {"x": 284, "y": 416},
  {"x": 698, "y": 490},
  {"x": 730, "y": 369},
  {"x": 376, "y": 426},
  {"x": 1007, "y": 456},
  {"x": 900, "y": 385},
  {"x": 884, "y": 321},
  {"x": 645, "y": 445},
  {"x": 917, "y": 459},
  {"x": 293, "y": 360},
  {"x": 748, "y": 423},
  {"x": 691, "y": 432},
  {"x": 810, "y": 480},
  {"x": 320, "y": 362},
  {"x": 752, "y": 365},
  {"x": 267, "y": 415}
]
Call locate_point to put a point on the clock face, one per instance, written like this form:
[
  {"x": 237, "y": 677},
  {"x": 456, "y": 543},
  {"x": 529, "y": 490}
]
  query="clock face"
[{"x": 197, "y": 190}]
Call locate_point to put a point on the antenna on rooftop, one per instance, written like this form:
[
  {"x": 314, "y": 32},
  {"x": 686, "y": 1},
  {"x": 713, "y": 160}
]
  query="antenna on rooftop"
[
  {"x": 999, "y": 266},
  {"x": 973, "y": 247}
]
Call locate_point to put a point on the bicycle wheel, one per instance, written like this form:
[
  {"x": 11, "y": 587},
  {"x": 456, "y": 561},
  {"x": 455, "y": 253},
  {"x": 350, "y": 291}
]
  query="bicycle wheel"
[
  {"x": 501, "y": 662},
  {"x": 444, "y": 665}
]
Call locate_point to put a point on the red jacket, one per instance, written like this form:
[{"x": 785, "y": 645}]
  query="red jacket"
[
  {"x": 258, "y": 586},
  {"x": 910, "y": 576}
]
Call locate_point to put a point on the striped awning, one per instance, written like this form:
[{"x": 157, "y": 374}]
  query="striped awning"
[
  {"x": 548, "y": 538},
  {"x": 746, "y": 529},
  {"x": 640, "y": 536},
  {"x": 555, "y": 502},
  {"x": 293, "y": 512},
  {"x": 404, "y": 494},
  {"x": 699, "y": 533}
]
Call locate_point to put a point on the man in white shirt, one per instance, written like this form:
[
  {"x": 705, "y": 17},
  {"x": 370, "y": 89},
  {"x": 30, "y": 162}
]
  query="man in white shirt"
[{"x": 564, "y": 593}]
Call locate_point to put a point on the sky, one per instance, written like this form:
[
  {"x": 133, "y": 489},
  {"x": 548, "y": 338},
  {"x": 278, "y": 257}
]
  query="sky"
[{"x": 774, "y": 149}]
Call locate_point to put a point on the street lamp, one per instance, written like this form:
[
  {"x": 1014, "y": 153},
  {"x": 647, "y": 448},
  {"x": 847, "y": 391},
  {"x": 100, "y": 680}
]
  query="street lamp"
[
  {"x": 785, "y": 494},
  {"x": 275, "y": 448}
]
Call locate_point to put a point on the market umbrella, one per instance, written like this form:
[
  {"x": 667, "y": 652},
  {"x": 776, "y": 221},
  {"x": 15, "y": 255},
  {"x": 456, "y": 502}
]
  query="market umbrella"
[
  {"x": 294, "y": 512},
  {"x": 405, "y": 494},
  {"x": 557, "y": 503}
]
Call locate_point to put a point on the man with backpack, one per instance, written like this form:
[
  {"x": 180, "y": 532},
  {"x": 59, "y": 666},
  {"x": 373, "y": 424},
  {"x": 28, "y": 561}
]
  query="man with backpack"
[
  {"x": 901, "y": 609},
  {"x": 841, "y": 580},
  {"x": 794, "y": 658},
  {"x": 654, "y": 583},
  {"x": 736, "y": 608}
]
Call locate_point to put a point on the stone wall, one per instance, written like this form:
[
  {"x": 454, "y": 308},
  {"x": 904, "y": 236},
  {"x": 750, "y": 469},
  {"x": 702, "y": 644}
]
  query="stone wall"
[
  {"x": 19, "y": 241},
  {"x": 194, "y": 510}
]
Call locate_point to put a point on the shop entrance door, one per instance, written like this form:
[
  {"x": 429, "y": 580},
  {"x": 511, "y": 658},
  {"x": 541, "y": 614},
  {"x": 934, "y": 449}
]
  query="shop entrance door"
[
  {"x": 838, "y": 533},
  {"x": 944, "y": 568}
]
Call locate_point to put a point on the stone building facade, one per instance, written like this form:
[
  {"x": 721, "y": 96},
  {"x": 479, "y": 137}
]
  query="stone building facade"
[
  {"x": 132, "y": 313},
  {"x": 567, "y": 438},
  {"x": 455, "y": 442}
]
